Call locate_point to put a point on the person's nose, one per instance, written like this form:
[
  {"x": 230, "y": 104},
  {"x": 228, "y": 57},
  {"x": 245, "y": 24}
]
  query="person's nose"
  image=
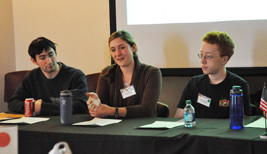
[
  {"x": 118, "y": 52},
  {"x": 49, "y": 60},
  {"x": 203, "y": 60}
]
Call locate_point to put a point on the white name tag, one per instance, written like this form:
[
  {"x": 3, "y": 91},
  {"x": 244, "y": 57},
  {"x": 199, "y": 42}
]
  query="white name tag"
[
  {"x": 127, "y": 92},
  {"x": 204, "y": 100}
]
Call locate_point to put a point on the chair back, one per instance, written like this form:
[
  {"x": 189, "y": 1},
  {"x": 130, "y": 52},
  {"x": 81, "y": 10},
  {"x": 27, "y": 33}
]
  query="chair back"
[
  {"x": 92, "y": 81},
  {"x": 12, "y": 82}
]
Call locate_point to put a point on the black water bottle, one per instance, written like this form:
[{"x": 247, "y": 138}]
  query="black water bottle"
[
  {"x": 236, "y": 108},
  {"x": 66, "y": 107}
]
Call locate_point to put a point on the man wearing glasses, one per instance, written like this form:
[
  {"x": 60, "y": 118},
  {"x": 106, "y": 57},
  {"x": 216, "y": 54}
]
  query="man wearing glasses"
[{"x": 210, "y": 91}]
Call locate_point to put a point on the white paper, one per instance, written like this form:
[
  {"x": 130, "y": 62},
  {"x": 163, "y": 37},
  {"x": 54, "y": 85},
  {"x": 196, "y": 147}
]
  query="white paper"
[
  {"x": 4, "y": 118},
  {"x": 260, "y": 123},
  {"x": 163, "y": 124},
  {"x": 28, "y": 120},
  {"x": 98, "y": 122}
]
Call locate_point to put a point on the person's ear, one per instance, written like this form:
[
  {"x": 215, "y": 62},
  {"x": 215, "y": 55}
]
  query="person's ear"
[
  {"x": 33, "y": 61},
  {"x": 225, "y": 59},
  {"x": 134, "y": 47}
]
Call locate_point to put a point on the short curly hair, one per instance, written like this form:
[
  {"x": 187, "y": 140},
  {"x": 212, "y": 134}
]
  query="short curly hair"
[{"x": 223, "y": 40}]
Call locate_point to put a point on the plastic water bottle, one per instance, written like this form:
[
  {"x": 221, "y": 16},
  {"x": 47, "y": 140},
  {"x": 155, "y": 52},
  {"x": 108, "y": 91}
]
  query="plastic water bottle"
[
  {"x": 189, "y": 115},
  {"x": 236, "y": 108},
  {"x": 61, "y": 148},
  {"x": 66, "y": 107}
]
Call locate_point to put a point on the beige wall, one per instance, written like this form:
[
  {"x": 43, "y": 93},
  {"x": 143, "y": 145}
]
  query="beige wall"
[
  {"x": 79, "y": 27},
  {"x": 7, "y": 46}
]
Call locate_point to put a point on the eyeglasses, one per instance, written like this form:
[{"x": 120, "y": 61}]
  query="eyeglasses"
[{"x": 206, "y": 57}]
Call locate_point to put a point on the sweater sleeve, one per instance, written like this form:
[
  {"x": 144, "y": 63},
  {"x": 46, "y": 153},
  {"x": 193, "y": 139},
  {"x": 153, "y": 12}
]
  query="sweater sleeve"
[
  {"x": 152, "y": 89},
  {"x": 79, "y": 97}
]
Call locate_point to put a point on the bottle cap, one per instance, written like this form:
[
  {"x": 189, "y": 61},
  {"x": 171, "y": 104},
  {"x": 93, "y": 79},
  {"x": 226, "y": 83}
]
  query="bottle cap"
[
  {"x": 236, "y": 90},
  {"x": 188, "y": 101},
  {"x": 65, "y": 93}
]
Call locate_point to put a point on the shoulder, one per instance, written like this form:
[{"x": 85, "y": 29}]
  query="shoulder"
[
  {"x": 149, "y": 68},
  {"x": 198, "y": 78},
  {"x": 109, "y": 72},
  {"x": 34, "y": 73},
  {"x": 108, "y": 69},
  {"x": 148, "y": 71},
  {"x": 235, "y": 78},
  {"x": 70, "y": 70}
]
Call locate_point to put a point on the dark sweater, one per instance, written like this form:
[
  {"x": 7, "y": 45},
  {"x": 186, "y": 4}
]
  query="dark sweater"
[
  {"x": 37, "y": 86},
  {"x": 147, "y": 82}
]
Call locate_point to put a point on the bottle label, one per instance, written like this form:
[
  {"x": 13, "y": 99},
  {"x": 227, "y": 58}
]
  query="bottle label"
[{"x": 189, "y": 117}]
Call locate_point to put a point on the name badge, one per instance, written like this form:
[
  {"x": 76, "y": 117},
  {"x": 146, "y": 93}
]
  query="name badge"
[
  {"x": 204, "y": 100},
  {"x": 127, "y": 92}
]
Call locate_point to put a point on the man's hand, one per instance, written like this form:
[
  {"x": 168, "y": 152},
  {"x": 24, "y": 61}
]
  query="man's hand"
[{"x": 37, "y": 106}]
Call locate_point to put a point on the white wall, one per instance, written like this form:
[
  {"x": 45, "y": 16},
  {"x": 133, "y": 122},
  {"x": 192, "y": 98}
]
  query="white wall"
[
  {"x": 7, "y": 49},
  {"x": 79, "y": 27},
  {"x": 177, "y": 45}
]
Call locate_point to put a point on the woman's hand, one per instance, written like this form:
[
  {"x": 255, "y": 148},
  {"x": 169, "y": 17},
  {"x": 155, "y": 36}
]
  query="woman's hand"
[
  {"x": 96, "y": 108},
  {"x": 102, "y": 111},
  {"x": 93, "y": 101}
]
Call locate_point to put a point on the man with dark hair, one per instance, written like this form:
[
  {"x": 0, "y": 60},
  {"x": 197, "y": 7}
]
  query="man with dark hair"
[
  {"x": 210, "y": 91},
  {"x": 45, "y": 82}
]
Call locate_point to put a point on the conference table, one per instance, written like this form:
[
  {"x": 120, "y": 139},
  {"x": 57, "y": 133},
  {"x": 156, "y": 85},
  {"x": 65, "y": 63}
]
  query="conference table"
[{"x": 210, "y": 136}]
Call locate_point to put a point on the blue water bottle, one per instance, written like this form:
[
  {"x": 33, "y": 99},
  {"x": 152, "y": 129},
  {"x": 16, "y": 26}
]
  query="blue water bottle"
[
  {"x": 236, "y": 108},
  {"x": 66, "y": 107}
]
